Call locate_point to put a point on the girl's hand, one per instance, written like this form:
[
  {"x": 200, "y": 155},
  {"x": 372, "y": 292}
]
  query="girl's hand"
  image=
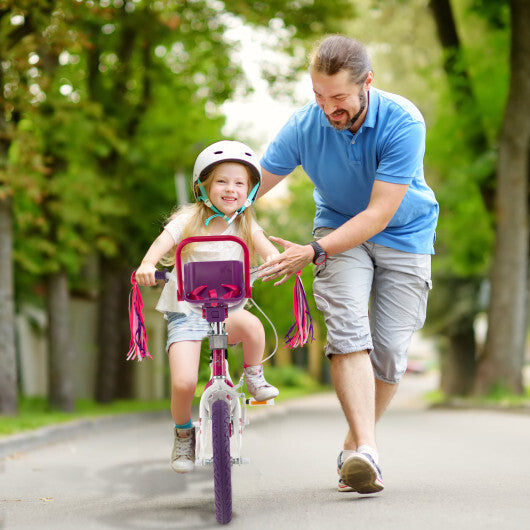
[
  {"x": 145, "y": 274},
  {"x": 294, "y": 258}
]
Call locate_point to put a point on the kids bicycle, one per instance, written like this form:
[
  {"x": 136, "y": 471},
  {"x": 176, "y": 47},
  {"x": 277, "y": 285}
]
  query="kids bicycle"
[{"x": 215, "y": 288}]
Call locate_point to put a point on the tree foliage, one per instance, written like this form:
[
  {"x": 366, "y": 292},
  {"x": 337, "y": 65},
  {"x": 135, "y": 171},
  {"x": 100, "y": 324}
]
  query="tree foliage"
[
  {"x": 103, "y": 103},
  {"x": 451, "y": 57}
]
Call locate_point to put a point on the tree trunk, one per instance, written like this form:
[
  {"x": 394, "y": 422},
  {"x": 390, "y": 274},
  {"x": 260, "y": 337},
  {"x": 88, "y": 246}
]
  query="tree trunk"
[
  {"x": 503, "y": 359},
  {"x": 60, "y": 350},
  {"x": 8, "y": 364},
  {"x": 458, "y": 364},
  {"x": 453, "y": 311},
  {"x": 114, "y": 376},
  {"x": 8, "y": 361}
]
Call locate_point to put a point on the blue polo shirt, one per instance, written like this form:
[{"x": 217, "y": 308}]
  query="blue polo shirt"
[{"x": 389, "y": 146}]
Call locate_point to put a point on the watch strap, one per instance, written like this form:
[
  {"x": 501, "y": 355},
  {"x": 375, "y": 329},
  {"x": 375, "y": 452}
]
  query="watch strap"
[{"x": 319, "y": 251}]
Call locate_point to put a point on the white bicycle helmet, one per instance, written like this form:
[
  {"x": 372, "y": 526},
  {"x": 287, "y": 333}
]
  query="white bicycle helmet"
[{"x": 225, "y": 151}]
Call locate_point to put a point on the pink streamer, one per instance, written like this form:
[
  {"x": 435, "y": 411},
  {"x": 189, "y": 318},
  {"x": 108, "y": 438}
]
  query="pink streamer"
[
  {"x": 302, "y": 329},
  {"x": 138, "y": 346}
]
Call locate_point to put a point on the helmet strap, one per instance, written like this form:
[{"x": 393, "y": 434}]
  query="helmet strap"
[{"x": 204, "y": 198}]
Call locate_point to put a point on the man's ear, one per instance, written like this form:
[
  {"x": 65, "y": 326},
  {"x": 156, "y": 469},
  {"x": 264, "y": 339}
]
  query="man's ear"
[{"x": 369, "y": 79}]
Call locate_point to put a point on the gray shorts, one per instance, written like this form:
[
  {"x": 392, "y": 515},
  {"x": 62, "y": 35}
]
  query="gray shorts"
[
  {"x": 373, "y": 298},
  {"x": 185, "y": 327}
]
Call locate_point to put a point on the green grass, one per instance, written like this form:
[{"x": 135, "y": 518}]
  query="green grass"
[
  {"x": 33, "y": 413},
  {"x": 498, "y": 398}
]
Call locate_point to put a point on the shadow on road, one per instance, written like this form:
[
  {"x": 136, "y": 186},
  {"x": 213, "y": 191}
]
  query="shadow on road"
[{"x": 158, "y": 497}]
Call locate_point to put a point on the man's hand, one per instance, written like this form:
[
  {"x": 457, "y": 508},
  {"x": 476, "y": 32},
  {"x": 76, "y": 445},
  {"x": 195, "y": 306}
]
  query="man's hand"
[{"x": 293, "y": 259}]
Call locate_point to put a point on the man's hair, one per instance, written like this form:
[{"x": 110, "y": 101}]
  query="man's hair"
[{"x": 337, "y": 53}]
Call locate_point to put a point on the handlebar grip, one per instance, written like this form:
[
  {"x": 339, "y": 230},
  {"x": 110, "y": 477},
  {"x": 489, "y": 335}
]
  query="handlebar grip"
[{"x": 161, "y": 275}]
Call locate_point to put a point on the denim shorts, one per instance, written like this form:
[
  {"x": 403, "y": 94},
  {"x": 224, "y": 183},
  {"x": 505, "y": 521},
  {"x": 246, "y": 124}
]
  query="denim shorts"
[
  {"x": 185, "y": 327},
  {"x": 373, "y": 298}
]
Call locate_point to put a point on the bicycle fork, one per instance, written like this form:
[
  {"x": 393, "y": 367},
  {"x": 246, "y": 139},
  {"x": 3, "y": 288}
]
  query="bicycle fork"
[{"x": 220, "y": 387}]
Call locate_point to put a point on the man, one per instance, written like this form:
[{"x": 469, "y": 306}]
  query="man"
[{"x": 374, "y": 228}]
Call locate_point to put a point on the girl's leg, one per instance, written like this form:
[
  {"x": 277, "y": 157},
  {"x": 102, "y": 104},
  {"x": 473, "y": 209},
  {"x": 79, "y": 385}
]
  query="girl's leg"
[
  {"x": 246, "y": 328},
  {"x": 184, "y": 360}
]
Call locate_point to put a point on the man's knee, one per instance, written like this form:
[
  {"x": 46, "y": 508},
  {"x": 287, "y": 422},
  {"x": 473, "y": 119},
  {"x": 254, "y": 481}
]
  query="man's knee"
[{"x": 389, "y": 363}]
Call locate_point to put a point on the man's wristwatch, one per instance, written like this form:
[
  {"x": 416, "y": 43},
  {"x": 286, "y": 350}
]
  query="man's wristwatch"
[{"x": 320, "y": 254}]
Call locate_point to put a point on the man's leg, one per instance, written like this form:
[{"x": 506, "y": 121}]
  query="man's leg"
[
  {"x": 353, "y": 379},
  {"x": 384, "y": 392}
]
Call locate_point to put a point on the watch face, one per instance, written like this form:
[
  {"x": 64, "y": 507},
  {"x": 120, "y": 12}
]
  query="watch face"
[{"x": 320, "y": 259}]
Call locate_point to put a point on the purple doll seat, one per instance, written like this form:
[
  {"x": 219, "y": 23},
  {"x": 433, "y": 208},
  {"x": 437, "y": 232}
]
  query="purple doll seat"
[
  {"x": 213, "y": 287},
  {"x": 213, "y": 282}
]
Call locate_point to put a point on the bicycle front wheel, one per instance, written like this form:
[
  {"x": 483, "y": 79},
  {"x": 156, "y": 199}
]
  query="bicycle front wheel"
[{"x": 221, "y": 461}]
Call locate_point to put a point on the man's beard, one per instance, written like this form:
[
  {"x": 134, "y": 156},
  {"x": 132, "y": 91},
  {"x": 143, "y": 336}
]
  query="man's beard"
[{"x": 351, "y": 121}]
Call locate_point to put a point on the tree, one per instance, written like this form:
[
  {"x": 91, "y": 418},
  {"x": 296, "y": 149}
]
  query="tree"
[
  {"x": 16, "y": 34},
  {"x": 182, "y": 72},
  {"x": 463, "y": 105},
  {"x": 458, "y": 366},
  {"x": 502, "y": 361},
  {"x": 478, "y": 98},
  {"x": 8, "y": 374},
  {"x": 47, "y": 135},
  {"x": 100, "y": 96}
]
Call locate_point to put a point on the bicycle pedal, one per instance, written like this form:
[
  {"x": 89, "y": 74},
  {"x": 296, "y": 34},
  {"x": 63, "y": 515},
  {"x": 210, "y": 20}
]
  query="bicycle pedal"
[
  {"x": 252, "y": 402},
  {"x": 239, "y": 460}
]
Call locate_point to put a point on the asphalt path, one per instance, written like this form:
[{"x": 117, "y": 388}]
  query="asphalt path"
[{"x": 442, "y": 469}]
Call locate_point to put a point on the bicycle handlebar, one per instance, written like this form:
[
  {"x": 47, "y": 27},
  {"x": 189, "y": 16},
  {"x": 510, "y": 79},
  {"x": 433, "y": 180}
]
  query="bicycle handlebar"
[{"x": 161, "y": 275}]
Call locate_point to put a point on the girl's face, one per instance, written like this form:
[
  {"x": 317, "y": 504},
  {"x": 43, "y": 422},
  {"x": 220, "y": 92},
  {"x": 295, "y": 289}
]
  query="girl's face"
[{"x": 229, "y": 187}]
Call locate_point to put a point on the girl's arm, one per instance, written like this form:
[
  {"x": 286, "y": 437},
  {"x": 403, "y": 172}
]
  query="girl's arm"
[
  {"x": 145, "y": 274},
  {"x": 265, "y": 249}
]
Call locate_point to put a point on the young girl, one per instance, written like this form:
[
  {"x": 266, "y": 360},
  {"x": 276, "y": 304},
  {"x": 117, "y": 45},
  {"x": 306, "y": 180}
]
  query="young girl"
[{"x": 226, "y": 178}]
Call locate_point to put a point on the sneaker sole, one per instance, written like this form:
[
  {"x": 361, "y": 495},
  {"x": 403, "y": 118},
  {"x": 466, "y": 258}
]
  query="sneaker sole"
[
  {"x": 359, "y": 475},
  {"x": 344, "y": 488},
  {"x": 265, "y": 397},
  {"x": 184, "y": 469}
]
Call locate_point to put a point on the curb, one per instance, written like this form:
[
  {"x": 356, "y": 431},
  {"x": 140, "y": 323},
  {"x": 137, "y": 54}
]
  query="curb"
[
  {"x": 33, "y": 439},
  {"x": 28, "y": 440}
]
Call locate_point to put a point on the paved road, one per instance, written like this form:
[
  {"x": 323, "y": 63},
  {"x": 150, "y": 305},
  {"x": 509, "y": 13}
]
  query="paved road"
[{"x": 443, "y": 469}]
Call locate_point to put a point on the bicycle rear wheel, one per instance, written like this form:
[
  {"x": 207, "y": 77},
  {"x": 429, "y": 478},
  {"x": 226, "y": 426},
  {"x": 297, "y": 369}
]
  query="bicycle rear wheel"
[{"x": 221, "y": 461}]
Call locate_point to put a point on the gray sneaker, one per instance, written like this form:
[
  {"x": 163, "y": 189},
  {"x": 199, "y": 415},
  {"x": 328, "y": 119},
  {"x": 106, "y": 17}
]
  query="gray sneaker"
[
  {"x": 257, "y": 386},
  {"x": 183, "y": 454},
  {"x": 360, "y": 473}
]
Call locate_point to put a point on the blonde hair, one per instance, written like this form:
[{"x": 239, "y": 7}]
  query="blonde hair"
[{"x": 199, "y": 213}]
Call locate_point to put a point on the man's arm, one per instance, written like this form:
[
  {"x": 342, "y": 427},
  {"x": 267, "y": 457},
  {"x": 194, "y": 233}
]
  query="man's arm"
[
  {"x": 268, "y": 181},
  {"x": 384, "y": 202}
]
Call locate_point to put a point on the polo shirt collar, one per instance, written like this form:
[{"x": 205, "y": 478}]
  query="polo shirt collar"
[{"x": 373, "y": 107}]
